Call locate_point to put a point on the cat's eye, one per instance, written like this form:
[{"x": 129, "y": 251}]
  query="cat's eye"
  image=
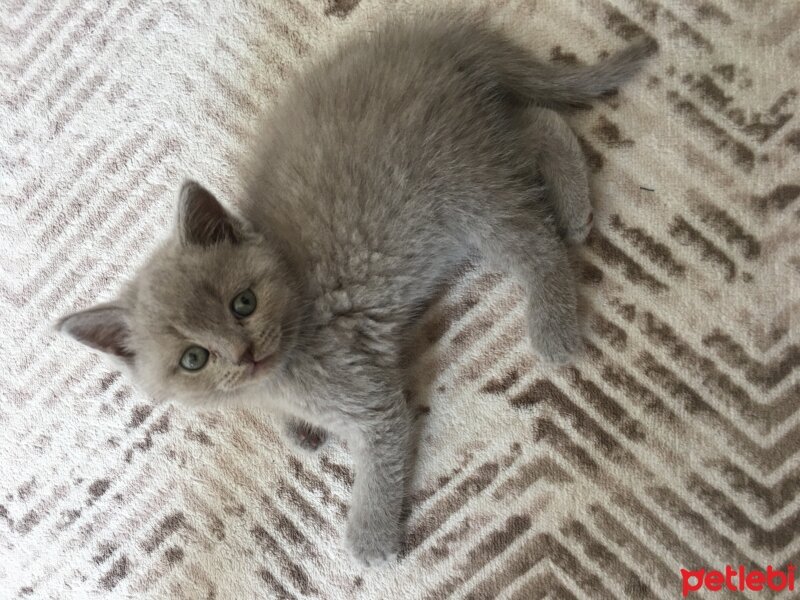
[
  {"x": 244, "y": 304},
  {"x": 194, "y": 359}
]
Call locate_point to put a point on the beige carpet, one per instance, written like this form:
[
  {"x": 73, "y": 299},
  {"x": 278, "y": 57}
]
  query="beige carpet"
[{"x": 673, "y": 443}]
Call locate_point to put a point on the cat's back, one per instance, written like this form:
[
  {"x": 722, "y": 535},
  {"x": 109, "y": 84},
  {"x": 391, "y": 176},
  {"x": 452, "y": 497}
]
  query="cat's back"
[
  {"x": 390, "y": 115},
  {"x": 364, "y": 149},
  {"x": 406, "y": 72}
]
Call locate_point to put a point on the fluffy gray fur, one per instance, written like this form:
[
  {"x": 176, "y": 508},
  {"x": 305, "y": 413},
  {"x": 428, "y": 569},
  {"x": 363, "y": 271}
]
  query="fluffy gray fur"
[{"x": 385, "y": 165}]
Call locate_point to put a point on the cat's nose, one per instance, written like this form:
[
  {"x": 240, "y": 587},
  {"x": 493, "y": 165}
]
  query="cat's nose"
[{"x": 246, "y": 357}]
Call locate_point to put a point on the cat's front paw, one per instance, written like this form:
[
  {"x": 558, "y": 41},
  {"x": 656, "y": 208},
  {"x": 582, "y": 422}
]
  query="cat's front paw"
[
  {"x": 305, "y": 436},
  {"x": 311, "y": 438},
  {"x": 372, "y": 546}
]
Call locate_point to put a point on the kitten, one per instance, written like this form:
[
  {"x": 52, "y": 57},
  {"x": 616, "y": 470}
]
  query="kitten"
[{"x": 383, "y": 167}]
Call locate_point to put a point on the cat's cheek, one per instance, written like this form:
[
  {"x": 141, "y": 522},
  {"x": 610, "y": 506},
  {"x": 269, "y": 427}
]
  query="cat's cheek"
[{"x": 153, "y": 386}]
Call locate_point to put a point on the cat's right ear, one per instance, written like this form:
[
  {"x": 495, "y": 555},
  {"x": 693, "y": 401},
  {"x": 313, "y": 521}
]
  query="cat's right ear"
[
  {"x": 202, "y": 220},
  {"x": 105, "y": 327}
]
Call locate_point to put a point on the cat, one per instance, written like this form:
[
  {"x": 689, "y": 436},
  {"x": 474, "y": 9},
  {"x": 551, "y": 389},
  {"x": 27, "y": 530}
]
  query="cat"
[{"x": 382, "y": 168}]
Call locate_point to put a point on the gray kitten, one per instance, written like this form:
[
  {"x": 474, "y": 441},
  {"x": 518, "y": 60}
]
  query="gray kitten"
[{"x": 384, "y": 167}]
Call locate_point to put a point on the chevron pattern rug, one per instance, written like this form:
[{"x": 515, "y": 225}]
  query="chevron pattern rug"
[{"x": 673, "y": 443}]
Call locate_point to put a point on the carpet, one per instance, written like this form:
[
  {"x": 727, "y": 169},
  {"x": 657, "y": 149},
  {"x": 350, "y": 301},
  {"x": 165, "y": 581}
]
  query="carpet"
[{"x": 672, "y": 443}]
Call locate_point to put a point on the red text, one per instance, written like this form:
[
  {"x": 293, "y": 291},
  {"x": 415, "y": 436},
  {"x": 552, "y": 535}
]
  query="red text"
[{"x": 738, "y": 580}]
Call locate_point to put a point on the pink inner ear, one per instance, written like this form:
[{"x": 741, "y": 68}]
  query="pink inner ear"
[{"x": 111, "y": 338}]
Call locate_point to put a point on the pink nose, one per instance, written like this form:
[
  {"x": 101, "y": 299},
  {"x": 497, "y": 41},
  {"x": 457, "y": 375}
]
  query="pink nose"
[{"x": 247, "y": 357}]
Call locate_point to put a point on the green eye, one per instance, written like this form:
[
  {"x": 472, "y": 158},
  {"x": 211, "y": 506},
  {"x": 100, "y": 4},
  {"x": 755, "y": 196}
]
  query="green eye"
[
  {"x": 194, "y": 359},
  {"x": 244, "y": 304}
]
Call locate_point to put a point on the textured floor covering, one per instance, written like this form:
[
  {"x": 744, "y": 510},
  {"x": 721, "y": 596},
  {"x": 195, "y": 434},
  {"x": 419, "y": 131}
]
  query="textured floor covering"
[{"x": 673, "y": 443}]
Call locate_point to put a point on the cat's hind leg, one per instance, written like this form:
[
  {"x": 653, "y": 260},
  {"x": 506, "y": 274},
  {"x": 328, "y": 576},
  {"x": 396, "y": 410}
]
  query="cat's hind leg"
[
  {"x": 563, "y": 168},
  {"x": 525, "y": 245}
]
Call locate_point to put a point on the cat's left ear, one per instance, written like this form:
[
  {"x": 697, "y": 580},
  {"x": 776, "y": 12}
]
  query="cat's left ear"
[
  {"x": 105, "y": 327},
  {"x": 202, "y": 220}
]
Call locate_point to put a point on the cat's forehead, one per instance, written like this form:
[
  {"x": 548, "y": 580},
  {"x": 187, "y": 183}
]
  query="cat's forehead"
[
  {"x": 181, "y": 288},
  {"x": 196, "y": 270}
]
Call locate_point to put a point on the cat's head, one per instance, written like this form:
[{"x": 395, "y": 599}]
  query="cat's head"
[{"x": 213, "y": 313}]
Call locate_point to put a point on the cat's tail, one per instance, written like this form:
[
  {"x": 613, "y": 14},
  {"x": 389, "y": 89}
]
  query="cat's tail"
[{"x": 556, "y": 85}]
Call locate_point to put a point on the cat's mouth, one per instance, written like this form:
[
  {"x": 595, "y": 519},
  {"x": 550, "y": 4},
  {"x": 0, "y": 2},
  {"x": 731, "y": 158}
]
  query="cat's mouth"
[{"x": 261, "y": 366}]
